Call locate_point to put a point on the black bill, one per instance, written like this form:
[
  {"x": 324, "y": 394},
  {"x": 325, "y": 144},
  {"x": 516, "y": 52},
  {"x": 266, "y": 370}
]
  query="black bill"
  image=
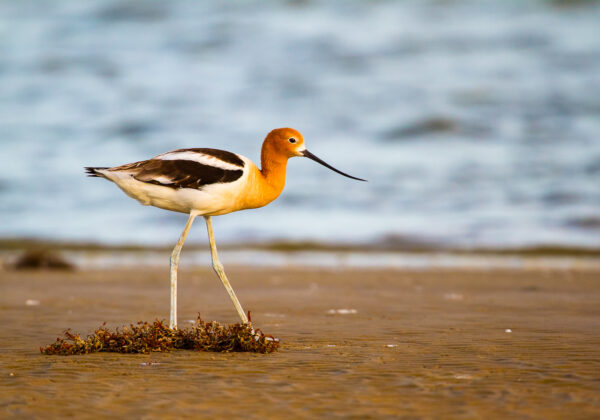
[{"x": 309, "y": 155}]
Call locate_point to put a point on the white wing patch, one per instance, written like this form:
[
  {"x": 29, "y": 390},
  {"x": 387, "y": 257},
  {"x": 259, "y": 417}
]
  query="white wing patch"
[
  {"x": 200, "y": 158},
  {"x": 163, "y": 180}
]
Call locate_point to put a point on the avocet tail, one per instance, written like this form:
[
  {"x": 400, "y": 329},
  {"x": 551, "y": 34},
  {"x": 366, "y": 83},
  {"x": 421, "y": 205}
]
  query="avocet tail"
[{"x": 93, "y": 171}]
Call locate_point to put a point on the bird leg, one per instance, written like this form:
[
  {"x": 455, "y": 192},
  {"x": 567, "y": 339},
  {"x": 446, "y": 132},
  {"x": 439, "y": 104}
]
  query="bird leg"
[
  {"x": 218, "y": 267},
  {"x": 174, "y": 262}
]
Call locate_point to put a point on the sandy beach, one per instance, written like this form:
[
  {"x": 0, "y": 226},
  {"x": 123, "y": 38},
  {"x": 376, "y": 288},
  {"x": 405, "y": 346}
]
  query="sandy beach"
[{"x": 409, "y": 344}]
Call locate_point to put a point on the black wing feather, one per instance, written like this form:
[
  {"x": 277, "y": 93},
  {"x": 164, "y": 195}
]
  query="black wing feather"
[{"x": 183, "y": 173}]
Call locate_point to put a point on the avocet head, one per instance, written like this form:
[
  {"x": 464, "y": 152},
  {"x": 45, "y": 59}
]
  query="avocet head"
[
  {"x": 286, "y": 141},
  {"x": 290, "y": 143}
]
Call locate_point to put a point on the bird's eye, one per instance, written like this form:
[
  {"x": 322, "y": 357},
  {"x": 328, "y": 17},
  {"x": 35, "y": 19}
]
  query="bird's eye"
[{"x": 292, "y": 140}]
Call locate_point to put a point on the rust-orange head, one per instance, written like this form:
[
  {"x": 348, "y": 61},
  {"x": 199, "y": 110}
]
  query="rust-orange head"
[{"x": 284, "y": 143}]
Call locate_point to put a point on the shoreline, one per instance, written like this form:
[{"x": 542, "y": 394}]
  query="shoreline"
[
  {"x": 407, "y": 247},
  {"x": 83, "y": 255},
  {"x": 107, "y": 258}
]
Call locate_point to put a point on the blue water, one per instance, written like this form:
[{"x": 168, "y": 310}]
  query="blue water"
[{"x": 476, "y": 123}]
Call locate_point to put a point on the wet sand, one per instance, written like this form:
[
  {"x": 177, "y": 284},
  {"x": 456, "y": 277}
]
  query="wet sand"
[{"x": 421, "y": 344}]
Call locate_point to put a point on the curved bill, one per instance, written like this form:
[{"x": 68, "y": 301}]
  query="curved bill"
[{"x": 309, "y": 155}]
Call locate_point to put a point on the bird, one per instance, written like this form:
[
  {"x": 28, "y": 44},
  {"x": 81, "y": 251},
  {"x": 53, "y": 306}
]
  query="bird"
[{"x": 210, "y": 182}]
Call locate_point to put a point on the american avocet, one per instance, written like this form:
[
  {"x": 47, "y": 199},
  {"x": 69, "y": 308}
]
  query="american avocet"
[{"x": 209, "y": 182}]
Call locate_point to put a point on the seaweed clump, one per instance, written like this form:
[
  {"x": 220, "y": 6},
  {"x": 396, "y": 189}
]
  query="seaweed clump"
[
  {"x": 145, "y": 337},
  {"x": 42, "y": 259}
]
